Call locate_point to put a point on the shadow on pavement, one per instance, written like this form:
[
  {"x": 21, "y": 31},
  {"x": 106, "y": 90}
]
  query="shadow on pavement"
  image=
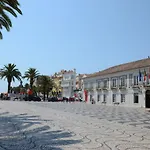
[{"x": 24, "y": 132}]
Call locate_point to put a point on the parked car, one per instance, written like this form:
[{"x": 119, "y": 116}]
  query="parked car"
[
  {"x": 60, "y": 99},
  {"x": 53, "y": 99},
  {"x": 36, "y": 98},
  {"x": 71, "y": 99},
  {"x": 15, "y": 98},
  {"x": 32, "y": 98},
  {"x": 6, "y": 98},
  {"x": 65, "y": 99}
]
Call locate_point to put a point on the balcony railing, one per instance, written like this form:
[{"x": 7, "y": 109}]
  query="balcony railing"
[
  {"x": 89, "y": 89},
  {"x": 65, "y": 84},
  {"x": 98, "y": 88},
  {"x": 135, "y": 86},
  {"x": 122, "y": 86},
  {"x": 146, "y": 85},
  {"x": 114, "y": 87},
  {"x": 105, "y": 87}
]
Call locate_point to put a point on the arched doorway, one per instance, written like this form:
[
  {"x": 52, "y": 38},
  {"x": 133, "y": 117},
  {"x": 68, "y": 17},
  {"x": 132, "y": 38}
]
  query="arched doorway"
[{"x": 147, "y": 99}]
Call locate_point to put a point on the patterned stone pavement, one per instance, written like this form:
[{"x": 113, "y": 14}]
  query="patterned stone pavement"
[
  {"x": 124, "y": 115},
  {"x": 73, "y": 126}
]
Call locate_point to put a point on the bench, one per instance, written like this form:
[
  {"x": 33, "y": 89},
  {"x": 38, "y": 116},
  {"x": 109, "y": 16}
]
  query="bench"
[{"x": 116, "y": 103}]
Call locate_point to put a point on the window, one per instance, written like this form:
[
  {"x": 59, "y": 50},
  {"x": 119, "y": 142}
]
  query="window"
[
  {"x": 98, "y": 97},
  {"x": 130, "y": 79},
  {"x": 104, "y": 98},
  {"x": 66, "y": 77},
  {"x": 86, "y": 85},
  {"x": 122, "y": 98},
  {"x": 135, "y": 80},
  {"x": 114, "y": 82},
  {"x": 122, "y": 79},
  {"x": 136, "y": 98},
  {"x": 114, "y": 98},
  {"x": 72, "y": 76},
  {"x": 105, "y": 83},
  {"x": 91, "y": 85},
  {"x": 99, "y": 84},
  {"x": 60, "y": 82}
]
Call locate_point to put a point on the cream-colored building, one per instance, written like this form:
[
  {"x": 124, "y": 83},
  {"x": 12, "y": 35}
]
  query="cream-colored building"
[
  {"x": 57, "y": 89},
  {"x": 124, "y": 85}
]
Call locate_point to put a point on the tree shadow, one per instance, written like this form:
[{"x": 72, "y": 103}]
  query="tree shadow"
[{"x": 25, "y": 132}]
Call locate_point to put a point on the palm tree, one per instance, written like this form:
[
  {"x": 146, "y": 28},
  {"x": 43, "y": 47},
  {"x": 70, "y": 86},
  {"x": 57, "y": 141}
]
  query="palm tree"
[
  {"x": 10, "y": 72},
  {"x": 10, "y": 6},
  {"x": 45, "y": 84},
  {"x": 26, "y": 86},
  {"x": 31, "y": 74}
]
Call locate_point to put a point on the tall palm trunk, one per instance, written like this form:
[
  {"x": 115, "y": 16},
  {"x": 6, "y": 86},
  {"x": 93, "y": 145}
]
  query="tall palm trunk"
[
  {"x": 9, "y": 84},
  {"x": 44, "y": 93},
  {"x": 31, "y": 84},
  {"x": 47, "y": 93}
]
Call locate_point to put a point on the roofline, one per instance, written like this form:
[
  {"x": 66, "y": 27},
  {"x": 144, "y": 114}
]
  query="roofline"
[{"x": 114, "y": 72}]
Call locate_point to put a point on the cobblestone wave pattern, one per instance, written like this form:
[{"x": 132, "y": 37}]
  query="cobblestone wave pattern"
[
  {"x": 24, "y": 132},
  {"x": 60, "y": 126}
]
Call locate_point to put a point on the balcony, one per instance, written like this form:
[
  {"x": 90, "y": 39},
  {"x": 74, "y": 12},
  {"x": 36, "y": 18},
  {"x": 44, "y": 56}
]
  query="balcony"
[
  {"x": 105, "y": 87},
  {"x": 98, "y": 88},
  {"x": 91, "y": 89},
  {"x": 122, "y": 87},
  {"x": 65, "y": 84},
  {"x": 114, "y": 87},
  {"x": 135, "y": 86},
  {"x": 146, "y": 85}
]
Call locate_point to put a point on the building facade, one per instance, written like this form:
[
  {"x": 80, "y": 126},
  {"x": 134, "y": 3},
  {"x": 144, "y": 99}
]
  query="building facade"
[
  {"x": 57, "y": 89},
  {"x": 68, "y": 83},
  {"x": 126, "y": 85},
  {"x": 79, "y": 85}
]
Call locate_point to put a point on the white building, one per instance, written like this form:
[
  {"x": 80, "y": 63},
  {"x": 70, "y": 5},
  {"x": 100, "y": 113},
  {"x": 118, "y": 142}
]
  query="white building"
[
  {"x": 126, "y": 85},
  {"x": 68, "y": 83}
]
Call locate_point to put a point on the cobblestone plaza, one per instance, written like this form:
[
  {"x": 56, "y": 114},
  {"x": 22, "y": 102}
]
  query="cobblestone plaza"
[{"x": 72, "y": 126}]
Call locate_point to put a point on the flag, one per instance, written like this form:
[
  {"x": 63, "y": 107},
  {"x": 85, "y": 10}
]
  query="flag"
[
  {"x": 137, "y": 79},
  {"x": 145, "y": 75},
  {"x": 140, "y": 76}
]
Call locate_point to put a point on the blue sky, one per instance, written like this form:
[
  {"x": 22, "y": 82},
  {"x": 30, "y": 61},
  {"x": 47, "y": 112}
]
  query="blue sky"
[{"x": 89, "y": 35}]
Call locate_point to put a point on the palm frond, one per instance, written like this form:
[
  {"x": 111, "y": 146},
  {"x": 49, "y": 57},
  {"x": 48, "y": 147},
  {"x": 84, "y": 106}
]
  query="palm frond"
[
  {"x": 31, "y": 74},
  {"x": 10, "y": 10},
  {"x": 1, "y": 36},
  {"x": 4, "y": 23},
  {"x": 9, "y": 6}
]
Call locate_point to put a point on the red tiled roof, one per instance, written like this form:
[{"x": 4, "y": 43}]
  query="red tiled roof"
[
  {"x": 81, "y": 75},
  {"x": 122, "y": 67}
]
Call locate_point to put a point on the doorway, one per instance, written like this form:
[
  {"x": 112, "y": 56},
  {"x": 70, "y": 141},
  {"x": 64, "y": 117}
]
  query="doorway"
[{"x": 147, "y": 99}]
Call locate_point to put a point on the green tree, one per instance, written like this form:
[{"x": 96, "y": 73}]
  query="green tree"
[
  {"x": 16, "y": 89},
  {"x": 10, "y": 72},
  {"x": 45, "y": 85},
  {"x": 31, "y": 74},
  {"x": 8, "y": 6}
]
